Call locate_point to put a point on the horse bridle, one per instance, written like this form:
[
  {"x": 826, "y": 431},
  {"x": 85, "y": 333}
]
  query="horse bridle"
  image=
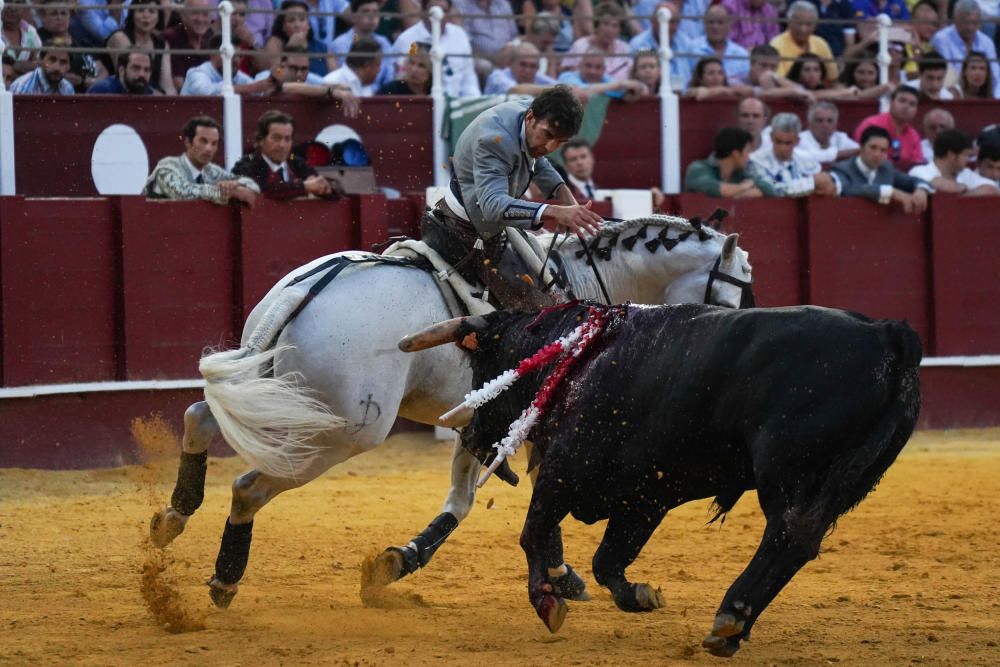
[{"x": 747, "y": 299}]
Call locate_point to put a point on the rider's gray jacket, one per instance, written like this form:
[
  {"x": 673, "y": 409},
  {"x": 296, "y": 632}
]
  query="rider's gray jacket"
[{"x": 491, "y": 171}]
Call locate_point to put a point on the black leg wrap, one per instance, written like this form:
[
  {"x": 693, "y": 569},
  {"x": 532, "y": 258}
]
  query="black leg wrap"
[
  {"x": 233, "y": 553},
  {"x": 553, "y": 551},
  {"x": 189, "y": 490},
  {"x": 570, "y": 585},
  {"x": 421, "y": 548}
]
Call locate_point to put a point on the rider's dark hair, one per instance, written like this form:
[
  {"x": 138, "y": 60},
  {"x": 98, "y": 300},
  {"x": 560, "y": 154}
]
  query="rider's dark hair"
[
  {"x": 951, "y": 141},
  {"x": 728, "y": 140},
  {"x": 191, "y": 127},
  {"x": 875, "y": 131},
  {"x": 561, "y": 108}
]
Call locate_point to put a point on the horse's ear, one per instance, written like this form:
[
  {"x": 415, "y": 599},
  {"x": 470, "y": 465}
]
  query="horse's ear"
[
  {"x": 717, "y": 217},
  {"x": 449, "y": 331},
  {"x": 729, "y": 246},
  {"x": 695, "y": 222}
]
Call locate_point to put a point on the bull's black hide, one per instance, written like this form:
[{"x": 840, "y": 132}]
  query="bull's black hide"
[{"x": 807, "y": 405}]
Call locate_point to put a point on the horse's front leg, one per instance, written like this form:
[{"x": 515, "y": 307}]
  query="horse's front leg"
[
  {"x": 397, "y": 562},
  {"x": 200, "y": 428}
]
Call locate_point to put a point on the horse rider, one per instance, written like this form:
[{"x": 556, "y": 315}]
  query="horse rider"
[{"x": 497, "y": 156}]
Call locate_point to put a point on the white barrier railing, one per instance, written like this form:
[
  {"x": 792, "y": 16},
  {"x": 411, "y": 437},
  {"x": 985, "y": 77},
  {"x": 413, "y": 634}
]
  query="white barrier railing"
[
  {"x": 884, "y": 59},
  {"x": 232, "y": 121},
  {"x": 670, "y": 113},
  {"x": 442, "y": 175},
  {"x": 7, "y": 184}
]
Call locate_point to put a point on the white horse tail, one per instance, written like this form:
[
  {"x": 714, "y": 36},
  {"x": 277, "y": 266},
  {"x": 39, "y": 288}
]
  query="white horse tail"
[{"x": 269, "y": 421}]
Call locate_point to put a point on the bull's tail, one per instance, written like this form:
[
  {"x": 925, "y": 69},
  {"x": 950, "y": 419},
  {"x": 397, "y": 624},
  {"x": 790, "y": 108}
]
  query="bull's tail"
[
  {"x": 270, "y": 421},
  {"x": 856, "y": 472}
]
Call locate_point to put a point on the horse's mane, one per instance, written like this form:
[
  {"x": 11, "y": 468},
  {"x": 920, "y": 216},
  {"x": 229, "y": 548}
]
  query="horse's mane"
[{"x": 613, "y": 230}]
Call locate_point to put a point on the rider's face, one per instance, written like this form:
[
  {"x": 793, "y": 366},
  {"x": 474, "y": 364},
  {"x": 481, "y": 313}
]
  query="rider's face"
[{"x": 541, "y": 137}]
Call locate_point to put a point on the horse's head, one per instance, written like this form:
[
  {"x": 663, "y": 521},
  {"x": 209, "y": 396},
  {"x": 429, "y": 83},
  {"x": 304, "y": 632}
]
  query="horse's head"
[{"x": 724, "y": 280}]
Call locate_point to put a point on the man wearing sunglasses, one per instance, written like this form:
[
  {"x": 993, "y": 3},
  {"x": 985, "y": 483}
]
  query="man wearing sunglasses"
[{"x": 904, "y": 141}]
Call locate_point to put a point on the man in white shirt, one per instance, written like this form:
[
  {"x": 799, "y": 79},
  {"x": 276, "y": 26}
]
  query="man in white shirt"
[
  {"x": 936, "y": 121},
  {"x": 522, "y": 77},
  {"x": 360, "y": 69},
  {"x": 822, "y": 141},
  {"x": 460, "y": 78},
  {"x": 933, "y": 70},
  {"x": 949, "y": 171},
  {"x": 791, "y": 174},
  {"x": 206, "y": 78},
  {"x": 365, "y": 17},
  {"x": 988, "y": 157}
]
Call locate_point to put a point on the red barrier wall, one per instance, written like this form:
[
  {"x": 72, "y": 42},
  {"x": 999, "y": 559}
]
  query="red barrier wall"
[
  {"x": 58, "y": 272},
  {"x": 870, "y": 258},
  {"x": 771, "y": 231},
  {"x": 966, "y": 275},
  {"x": 180, "y": 260}
]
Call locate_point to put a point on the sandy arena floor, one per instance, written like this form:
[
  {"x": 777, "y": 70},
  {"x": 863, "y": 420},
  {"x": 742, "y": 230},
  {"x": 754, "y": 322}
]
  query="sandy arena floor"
[{"x": 909, "y": 577}]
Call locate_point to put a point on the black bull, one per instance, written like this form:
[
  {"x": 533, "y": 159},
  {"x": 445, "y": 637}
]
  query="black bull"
[{"x": 807, "y": 405}]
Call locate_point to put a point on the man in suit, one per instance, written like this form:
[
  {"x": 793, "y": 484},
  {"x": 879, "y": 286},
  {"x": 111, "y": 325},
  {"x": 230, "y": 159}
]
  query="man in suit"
[
  {"x": 579, "y": 161},
  {"x": 279, "y": 173},
  {"x": 872, "y": 176},
  {"x": 498, "y": 155}
]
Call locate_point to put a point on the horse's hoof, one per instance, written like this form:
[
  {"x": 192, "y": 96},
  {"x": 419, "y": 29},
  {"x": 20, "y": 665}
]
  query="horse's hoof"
[
  {"x": 222, "y": 594},
  {"x": 382, "y": 570},
  {"x": 727, "y": 625},
  {"x": 552, "y": 610},
  {"x": 165, "y": 526},
  {"x": 571, "y": 586},
  {"x": 721, "y": 647},
  {"x": 648, "y": 598}
]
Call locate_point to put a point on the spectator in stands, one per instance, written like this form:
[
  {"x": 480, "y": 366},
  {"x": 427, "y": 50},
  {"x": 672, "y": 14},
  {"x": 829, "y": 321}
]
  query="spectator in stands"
[
  {"x": 591, "y": 76},
  {"x": 800, "y": 38},
  {"x": 193, "y": 32},
  {"x": 542, "y": 32},
  {"x": 242, "y": 36},
  {"x": 836, "y": 25},
  {"x": 97, "y": 20},
  {"x": 9, "y": 73},
  {"x": 84, "y": 69},
  {"x": 924, "y": 23},
  {"x": 715, "y": 42},
  {"x": 646, "y": 68},
  {"x": 861, "y": 72},
  {"x": 277, "y": 172},
  {"x": 49, "y": 78},
  {"x": 764, "y": 80},
  {"x": 755, "y": 22},
  {"x": 936, "y": 121},
  {"x": 260, "y": 19},
  {"x": 365, "y": 18},
  {"x": 949, "y": 170},
  {"x": 976, "y": 80},
  {"x": 134, "y": 67},
  {"x": 933, "y": 70},
  {"x": 790, "y": 173},
  {"x": 293, "y": 68},
  {"x": 292, "y": 27},
  {"x": 141, "y": 28},
  {"x": 206, "y": 78},
  {"x": 709, "y": 82},
  {"x": 459, "y": 76},
  {"x": 752, "y": 116},
  {"x": 323, "y": 15},
  {"x": 522, "y": 77},
  {"x": 19, "y": 36},
  {"x": 807, "y": 71},
  {"x": 564, "y": 15},
  {"x": 608, "y": 18},
  {"x": 361, "y": 68},
  {"x": 649, "y": 40},
  {"x": 726, "y": 172},
  {"x": 822, "y": 141},
  {"x": 904, "y": 140},
  {"x": 897, "y": 10},
  {"x": 417, "y": 77},
  {"x": 488, "y": 28},
  {"x": 193, "y": 175},
  {"x": 872, "y": 176},
  {"x": 579, "y": 160},
  {"x": 988, "y": 157},
  {"x": 958, "y": 40}
]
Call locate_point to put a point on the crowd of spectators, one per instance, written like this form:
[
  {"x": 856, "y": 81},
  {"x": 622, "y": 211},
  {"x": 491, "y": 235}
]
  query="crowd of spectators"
[{"x": 817, "y": 52}]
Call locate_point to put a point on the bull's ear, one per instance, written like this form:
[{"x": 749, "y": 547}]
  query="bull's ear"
[
  {"x": 449, "y": 331},
  {"x": 729, "y": 246}
]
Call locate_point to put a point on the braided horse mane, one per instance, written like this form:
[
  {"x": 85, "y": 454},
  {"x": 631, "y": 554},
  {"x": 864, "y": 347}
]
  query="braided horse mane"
[{"x": 614, "y": 231}]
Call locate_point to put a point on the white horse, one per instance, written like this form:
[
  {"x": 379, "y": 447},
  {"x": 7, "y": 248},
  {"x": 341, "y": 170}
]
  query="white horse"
[{"x": 303, "y": 395}]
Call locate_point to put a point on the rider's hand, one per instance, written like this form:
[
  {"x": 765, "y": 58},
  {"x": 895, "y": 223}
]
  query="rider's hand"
[{"x": 576, "y": 219}]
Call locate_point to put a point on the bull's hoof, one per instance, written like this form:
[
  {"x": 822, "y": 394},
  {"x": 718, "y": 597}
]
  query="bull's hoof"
[
  {"x": 571, "y": 586},
  {"x": 165, "y": 526},
  {"x": 552, "y": 610},
  {"x": 727, "y": 625},
  {"x": 222, "y": 594},
  {"x": 638, "y": 597},
  {"x": 382, "y": 570},
  {"x": 721, "y": 647}
]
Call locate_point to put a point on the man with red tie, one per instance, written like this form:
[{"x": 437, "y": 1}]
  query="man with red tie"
[
  {"x": 279, "y": 173},
  {"x": 579, "y": 161}
]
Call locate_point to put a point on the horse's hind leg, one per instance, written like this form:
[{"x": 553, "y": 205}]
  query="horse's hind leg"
[{"x": 200, "y": 429}]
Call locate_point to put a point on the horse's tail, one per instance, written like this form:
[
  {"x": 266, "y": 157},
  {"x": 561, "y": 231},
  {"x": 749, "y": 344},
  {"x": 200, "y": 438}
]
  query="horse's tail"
[{"x": 270, "y": 421}]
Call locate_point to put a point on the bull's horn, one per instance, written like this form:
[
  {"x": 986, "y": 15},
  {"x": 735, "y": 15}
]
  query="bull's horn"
[{"x": 448, "y": 331}]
